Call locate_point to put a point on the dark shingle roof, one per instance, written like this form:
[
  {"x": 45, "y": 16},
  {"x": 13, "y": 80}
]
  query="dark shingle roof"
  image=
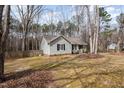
[
  {"x": 76, "y": 40},
  {"x": 50, "y": 38},
  {"x": 72, "y": 40}
]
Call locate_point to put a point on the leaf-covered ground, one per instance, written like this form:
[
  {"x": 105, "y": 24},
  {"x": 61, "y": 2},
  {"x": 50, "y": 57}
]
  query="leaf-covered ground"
[{"x": 74, "y": 70}]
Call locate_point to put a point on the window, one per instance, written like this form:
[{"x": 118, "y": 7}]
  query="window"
[{"x": 60, "y": 47}]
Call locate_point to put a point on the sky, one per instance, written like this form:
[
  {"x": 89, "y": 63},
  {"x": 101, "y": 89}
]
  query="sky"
[
  {"x": 57, "y": 13},
  {"x": 54, "y": 13},
  {"x": 114, "y": 10}
]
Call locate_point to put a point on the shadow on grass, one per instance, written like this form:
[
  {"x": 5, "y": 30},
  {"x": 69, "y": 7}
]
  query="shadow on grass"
[
  {"x": 94, "y": 83},
  {"x": 17, "y": 75},
  {"x": 52, "y": 65},
  {"x": 62, "y": 65},
  {"x": 79, "y": 76},
  {"x": 74, "y": 66},
  {"x": 66, "y": 64},
  {"x": 28, "y": 79},
  {"x": 47, "y": 66}
]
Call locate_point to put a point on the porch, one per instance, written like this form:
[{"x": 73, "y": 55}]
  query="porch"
[{"x": 76, "y": 49}]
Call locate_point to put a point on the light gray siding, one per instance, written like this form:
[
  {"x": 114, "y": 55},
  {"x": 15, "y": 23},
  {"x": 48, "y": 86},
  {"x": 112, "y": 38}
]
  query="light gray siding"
[
  {"x": 112, "y": 46},
  {"x": 45, "y": 47},
  {"x": 68, "y": 47}
]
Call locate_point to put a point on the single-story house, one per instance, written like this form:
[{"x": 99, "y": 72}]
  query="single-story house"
[
  {"x": 112, "y": 46},
  {"x": 55, "y": 45}
]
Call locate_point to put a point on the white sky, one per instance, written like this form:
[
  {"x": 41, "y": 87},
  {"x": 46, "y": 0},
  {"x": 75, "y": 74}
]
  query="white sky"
[{"x": 58, "y": 12}]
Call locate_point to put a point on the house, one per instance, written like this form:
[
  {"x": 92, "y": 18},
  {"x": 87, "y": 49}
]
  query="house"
[
  {"x": 112, "y": 47},
  {"x": 55, "y": 45}
]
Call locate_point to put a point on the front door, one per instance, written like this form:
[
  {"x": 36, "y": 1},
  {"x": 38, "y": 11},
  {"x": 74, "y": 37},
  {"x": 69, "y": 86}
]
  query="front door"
[{"x": 74, "y": 49}]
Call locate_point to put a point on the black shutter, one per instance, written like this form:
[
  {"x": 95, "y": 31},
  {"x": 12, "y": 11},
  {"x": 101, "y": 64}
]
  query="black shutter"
[
  {"x": 64, "y": 46},
  {"x": 58, "y": 47}
]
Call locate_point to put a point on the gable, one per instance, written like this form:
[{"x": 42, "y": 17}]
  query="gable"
[
  {"x": 58, "y": 39},
  {"x": 71, "y": 40}
]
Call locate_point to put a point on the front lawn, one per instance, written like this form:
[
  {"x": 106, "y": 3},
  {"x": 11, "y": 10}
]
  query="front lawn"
[
  {"x": 16, "y": 65},
  {"x": 74, "y": 70}
]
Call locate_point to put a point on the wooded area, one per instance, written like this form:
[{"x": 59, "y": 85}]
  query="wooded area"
[{"x": 21, "y": 28}]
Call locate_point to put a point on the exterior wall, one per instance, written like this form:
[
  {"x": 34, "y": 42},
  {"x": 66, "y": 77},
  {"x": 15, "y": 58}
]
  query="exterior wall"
[
  {"x": 45, "y": 47},
  {"x": 53, "y": 47},
  {"x": 112, "y": 46}
]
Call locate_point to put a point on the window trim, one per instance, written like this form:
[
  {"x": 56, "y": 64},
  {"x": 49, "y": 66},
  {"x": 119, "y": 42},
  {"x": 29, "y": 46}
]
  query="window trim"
[{"x": 60, "y": 47}]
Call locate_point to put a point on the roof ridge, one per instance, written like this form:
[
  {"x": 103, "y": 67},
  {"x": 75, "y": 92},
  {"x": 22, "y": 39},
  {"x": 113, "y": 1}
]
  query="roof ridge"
[{"x": 72, "y": 40}]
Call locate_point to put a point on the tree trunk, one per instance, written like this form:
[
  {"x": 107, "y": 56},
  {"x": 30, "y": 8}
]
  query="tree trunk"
[
  {"x": 3, "y": 39},
  {"x": 119, "y": 41},
  {"x": 97, "y": 29},
  {"x": 23, "y": 40},
  {"x": 32, "y": 44},
  {"x": 1, "y": 53},
  {"x": 118, "y": 45},
  {"x": 93, "y": 35},
  {"x": 90, "y": 31},
  {"x": 94, "y": 38},
  {"x": 2, "y": 56},
  {"x": 1, "y": 13},
  {"x": 36, "y": 43},
  {"x": 17, "y": 43}
]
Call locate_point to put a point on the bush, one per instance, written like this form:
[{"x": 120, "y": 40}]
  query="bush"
[{"x": 20, "y": 54}]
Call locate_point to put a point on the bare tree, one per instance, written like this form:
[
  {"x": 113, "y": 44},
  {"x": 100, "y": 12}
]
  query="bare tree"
[
  {"x": 3, "y": 37},
  {"x": 89, "y": 29},
  {"x": 27, "y": 14},
  {"x": 120, "y": 20},
  {"x": 97, "y": 29},
  {"x": 93, "y": 33}
]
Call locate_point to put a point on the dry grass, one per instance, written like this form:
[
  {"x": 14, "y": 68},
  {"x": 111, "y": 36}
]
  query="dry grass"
[
  {"x": 102, "y": 72},
  {"x": 71, "y": 71},
  {"x": 36, "y": 79},
  {"x": 16, "y": 65}
]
